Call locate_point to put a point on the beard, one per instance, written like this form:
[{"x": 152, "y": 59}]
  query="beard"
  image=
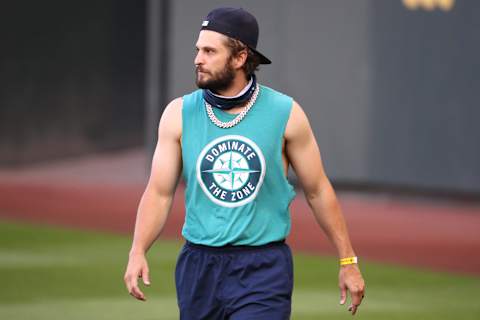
[{"x": 219, "y": 80}]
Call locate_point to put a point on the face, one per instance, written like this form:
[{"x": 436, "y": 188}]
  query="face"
[{"x": 215, "y": 68}]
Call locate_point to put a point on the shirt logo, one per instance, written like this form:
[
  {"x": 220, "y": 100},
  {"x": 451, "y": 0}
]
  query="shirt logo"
[{"x": 230, "y": 170}]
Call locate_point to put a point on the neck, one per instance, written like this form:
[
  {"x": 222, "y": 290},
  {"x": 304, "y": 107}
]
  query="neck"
[
  {"x": 238, "y": 84},
  {"x": 236, "y": 95}
]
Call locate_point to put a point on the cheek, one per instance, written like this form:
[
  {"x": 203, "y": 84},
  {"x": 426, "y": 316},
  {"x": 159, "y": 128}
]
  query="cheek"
[
  {"x": 219, "y": 61},
  {"x": 213, "y": 65}
]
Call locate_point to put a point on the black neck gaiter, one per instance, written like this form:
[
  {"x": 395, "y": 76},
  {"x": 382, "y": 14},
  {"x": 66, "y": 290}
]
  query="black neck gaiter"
[{"x": 225, "y": 103}]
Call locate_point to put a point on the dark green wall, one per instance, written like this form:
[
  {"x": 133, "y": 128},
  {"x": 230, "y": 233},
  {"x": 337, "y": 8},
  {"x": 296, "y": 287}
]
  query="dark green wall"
[
  {"x": 71, "y": 78},
  {"x": 425, "y": 96}
]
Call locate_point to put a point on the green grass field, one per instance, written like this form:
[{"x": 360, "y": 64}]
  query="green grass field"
[{"x": 54, "y": 273}]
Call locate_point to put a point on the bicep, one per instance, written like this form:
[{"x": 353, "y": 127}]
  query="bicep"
[
  {"x": 303, "y": 152},
  {"x": 167, "y": 158}
]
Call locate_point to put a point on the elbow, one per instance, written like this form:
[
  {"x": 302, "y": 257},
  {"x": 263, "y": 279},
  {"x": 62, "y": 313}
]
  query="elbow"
[
  {"x": 317, "y": 192},
  {"x": 312, "y": 195},
  {"x": 158, "y": 192}
]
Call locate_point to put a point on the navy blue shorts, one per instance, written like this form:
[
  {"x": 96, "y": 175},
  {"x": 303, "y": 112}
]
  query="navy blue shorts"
[{"x": 234, "y": 282}]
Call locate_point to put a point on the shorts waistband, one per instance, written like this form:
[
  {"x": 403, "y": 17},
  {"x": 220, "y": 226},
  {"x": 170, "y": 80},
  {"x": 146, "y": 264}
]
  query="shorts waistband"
[{"x": 232, "y": 248}]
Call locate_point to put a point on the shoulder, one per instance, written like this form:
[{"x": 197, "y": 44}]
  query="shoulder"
[
  {"x": 173, "y": 110},
  {"x": 280, "y": 102},
  {"x": 274, "y": 94},
  {"x": 298, "y": 123},
  {"x": 191, "y": 99},
  {"x": 171, "y": 120}
]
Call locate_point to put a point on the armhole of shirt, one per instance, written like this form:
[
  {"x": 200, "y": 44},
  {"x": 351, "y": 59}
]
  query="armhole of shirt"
[
  {"x": 288, "y": 114},
  {"x": 287, "y": 106},
  {"x": 291, "y": 187},
  {"x": 186, "y": 102}
]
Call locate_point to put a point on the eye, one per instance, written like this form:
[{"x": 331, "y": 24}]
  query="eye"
[{"x": 209, "y": 50}]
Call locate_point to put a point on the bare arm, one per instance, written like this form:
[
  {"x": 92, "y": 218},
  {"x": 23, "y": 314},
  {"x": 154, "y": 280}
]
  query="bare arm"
[
  {"x": 300, "y": 144},
  {"x": 157, "y": 199}
]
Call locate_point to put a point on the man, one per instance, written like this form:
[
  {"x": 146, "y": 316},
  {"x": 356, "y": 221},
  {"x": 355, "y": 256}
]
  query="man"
[{"x": 233, "y": 141}]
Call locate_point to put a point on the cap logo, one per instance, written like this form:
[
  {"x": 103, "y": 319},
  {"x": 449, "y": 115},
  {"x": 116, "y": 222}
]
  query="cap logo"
[{"x": 205, "y": 23}]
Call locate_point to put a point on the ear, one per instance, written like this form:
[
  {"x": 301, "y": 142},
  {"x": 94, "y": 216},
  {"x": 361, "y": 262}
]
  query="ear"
[{"x": 240, "y": 59}]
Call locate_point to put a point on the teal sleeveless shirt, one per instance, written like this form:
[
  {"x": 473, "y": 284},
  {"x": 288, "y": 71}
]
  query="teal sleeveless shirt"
[{"x": 236, "y": 189}]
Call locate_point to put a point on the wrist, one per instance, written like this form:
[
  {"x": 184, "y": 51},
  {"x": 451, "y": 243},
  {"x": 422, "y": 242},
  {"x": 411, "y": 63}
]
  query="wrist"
[
  {"x": 346, "y": 261},
  {"x": 136, "y": 252}
]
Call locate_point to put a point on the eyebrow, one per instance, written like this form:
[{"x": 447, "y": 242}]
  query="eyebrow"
[{"x": 205, "y": 47}]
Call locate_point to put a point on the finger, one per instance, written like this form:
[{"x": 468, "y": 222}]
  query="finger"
[
  {"x": 137, "y": 293},
  {"x": 343, "y": 295},
  {"x": 145, "y": 277},
  {"x": 128, "y": 284},
  {"x": 132, "y": 286},
  {"x": 354, "y": 309},
  {"x": 357, "y": 296}
]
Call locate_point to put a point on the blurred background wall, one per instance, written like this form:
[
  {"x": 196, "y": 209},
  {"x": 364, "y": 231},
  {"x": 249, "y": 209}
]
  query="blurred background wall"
[
  {"x": 390, "y": 90},
  {"x": 71, "y": 78}
]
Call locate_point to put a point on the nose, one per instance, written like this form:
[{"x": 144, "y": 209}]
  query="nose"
[{"x": 198, "y": 58}]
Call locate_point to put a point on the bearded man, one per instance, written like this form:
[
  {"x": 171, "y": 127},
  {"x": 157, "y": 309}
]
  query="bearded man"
[{"x": 233, "y": 141}]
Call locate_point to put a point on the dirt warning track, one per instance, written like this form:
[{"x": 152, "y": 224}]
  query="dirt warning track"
[{"x": 407, "y": 232}]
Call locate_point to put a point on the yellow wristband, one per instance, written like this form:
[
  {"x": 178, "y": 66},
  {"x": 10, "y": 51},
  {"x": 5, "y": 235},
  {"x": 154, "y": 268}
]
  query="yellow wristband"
[{"x": 349, "y": 260}]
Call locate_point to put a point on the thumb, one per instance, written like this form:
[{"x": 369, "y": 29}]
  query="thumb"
[
  {"x": 343, "y": 295},
  {"x": 145, "y": 277}
]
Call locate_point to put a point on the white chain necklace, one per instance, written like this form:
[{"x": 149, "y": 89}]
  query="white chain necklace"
[{"x": 238, "y": 118}]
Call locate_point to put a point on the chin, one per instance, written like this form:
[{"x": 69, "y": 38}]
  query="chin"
[
  {"x": 201, "y": 84},
  {"x": 201, "y": 80}
]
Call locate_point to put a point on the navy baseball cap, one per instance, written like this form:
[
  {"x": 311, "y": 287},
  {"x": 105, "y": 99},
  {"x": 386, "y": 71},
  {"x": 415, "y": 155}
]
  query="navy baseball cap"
[{"x": 235, "y": 23}]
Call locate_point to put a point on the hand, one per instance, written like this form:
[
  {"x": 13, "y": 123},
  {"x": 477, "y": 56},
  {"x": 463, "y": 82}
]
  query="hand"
[
  {"x": 350, "y": 279},
  {"x": 137, "y": 268}
]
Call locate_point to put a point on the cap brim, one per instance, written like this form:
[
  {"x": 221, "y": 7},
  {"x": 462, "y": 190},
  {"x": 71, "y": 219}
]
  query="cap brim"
[{"x": 263, "y": 59}]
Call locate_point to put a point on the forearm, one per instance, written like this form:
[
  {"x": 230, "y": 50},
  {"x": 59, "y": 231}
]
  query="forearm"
[
  {"x": 151, "y": 217},
  {"x": 329, "y": 216}
]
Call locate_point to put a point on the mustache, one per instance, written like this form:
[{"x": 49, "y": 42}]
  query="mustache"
[{"x": 200, "y": 69}]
